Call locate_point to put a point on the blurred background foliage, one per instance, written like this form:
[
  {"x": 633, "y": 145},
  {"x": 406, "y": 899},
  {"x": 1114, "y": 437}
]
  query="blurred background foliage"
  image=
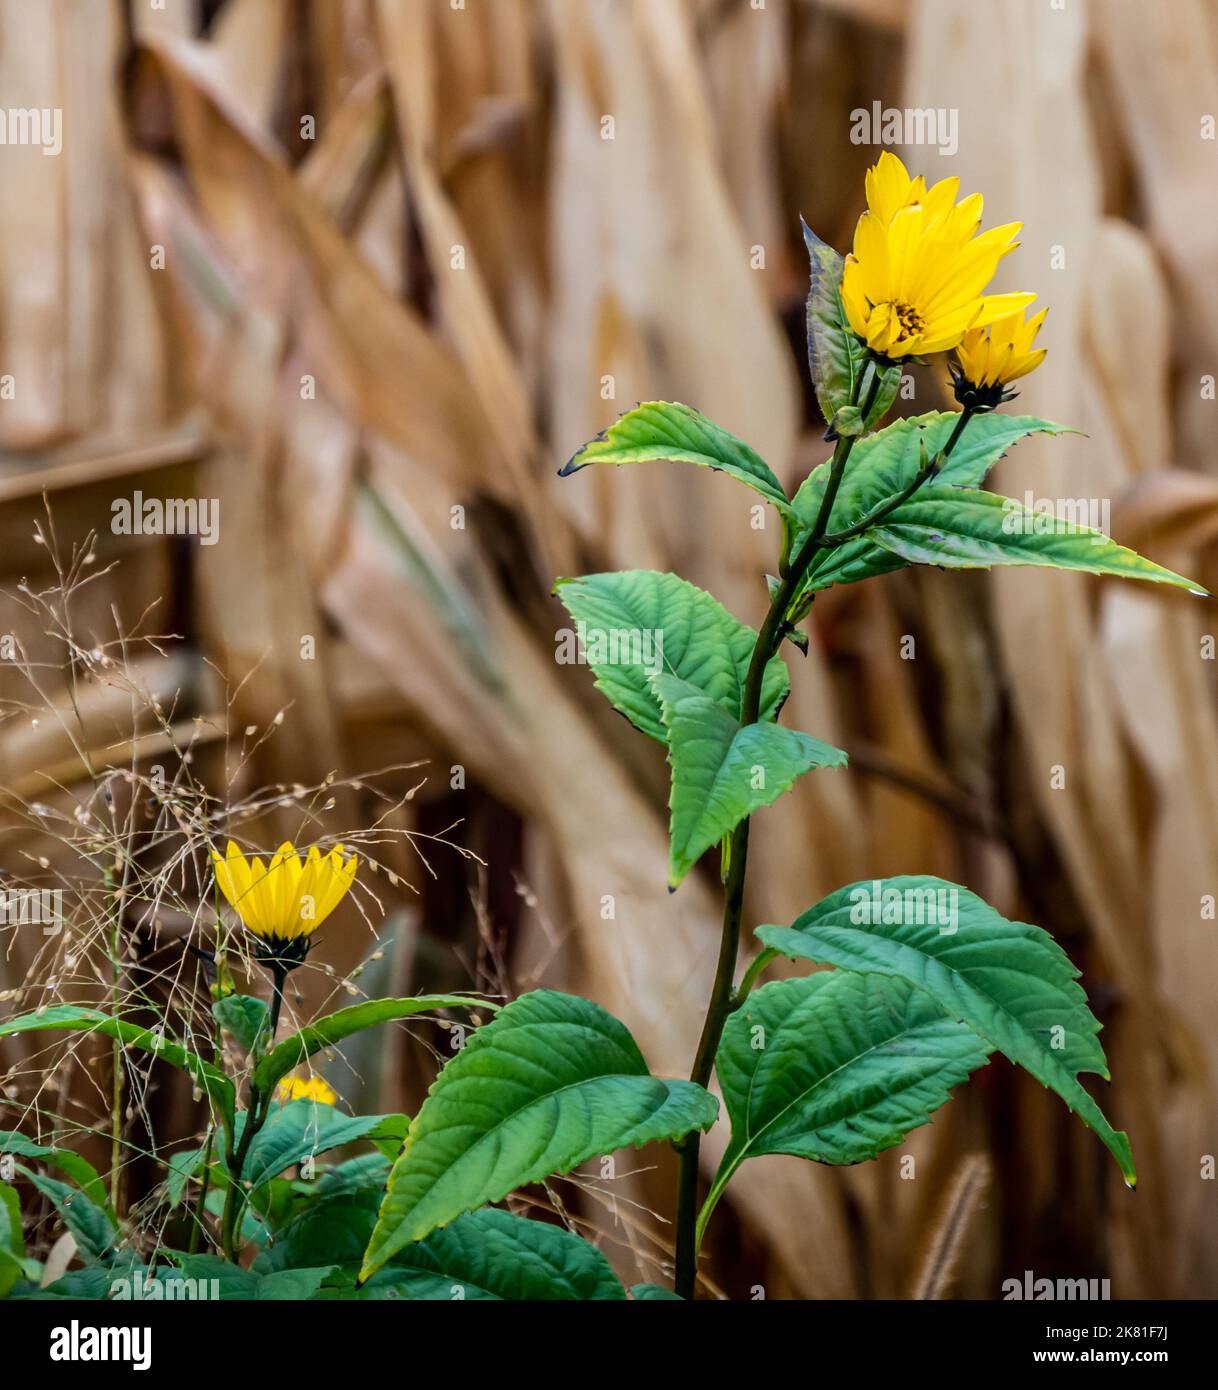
[{"x": 349, "y": 265}]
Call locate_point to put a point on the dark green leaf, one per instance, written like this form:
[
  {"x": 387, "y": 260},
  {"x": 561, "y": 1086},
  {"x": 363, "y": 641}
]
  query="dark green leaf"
[
  {"x": 233, "y": 1283},
  {"x": 961, "y": 528},
  {"x": 299, "y": 1130},
  {"x": 1009, "y": 981},
  {"x": 552, "y": 1081},
  {"x": 637, "y": 623},
  {"x": 336, "y": 1026},
  {"x": 182, "y": 1167},
  {"x": 243, "y": 1016},
  {"x": 91, "y": 1227},
  {"x": 365, "y": 1173},
  {"x": 832, "y": 362},
  {"x": 882, "y": 464},
  {"x": 80, "y": 1170},
  {"x": 668, "y": 431},
  {"x": 73, "y": 1017},
  {"x": 836, "y": 1068},
  {"x": 490, "y": 1254},
  {"x": 723, "y": 772}
]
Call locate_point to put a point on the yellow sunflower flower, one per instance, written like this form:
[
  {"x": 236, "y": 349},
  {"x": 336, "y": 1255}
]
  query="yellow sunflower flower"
[
  {"x": 913, "y": 282},
  {"x": 313, "y": 1088},
  {"x": 284, "y": 902},
  {"x": 990, "y": 358},
  {"x": 890, "y": 188}
]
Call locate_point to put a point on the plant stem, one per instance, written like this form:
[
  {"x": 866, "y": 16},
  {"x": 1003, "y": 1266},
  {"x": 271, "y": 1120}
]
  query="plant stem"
[
  {"x": 118, "y": 1070},
  {"x": 201, "y": 1208},
  {"x": 768, "y": 640},
  {"x": 255, "y": 1118},
  {"x": 723, "y": 999}
]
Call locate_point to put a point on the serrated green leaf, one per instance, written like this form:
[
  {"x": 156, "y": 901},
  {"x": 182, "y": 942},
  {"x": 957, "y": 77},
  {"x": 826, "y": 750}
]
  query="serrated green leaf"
[
  {"x": 637, "y": 623},
  {"x": 486, "y": 1254},
  {"x": 336, "y": 1026},
  {"x": 243, "y": 1016},
  {"x": 12, "y": 1239},
  {"x": 236, "y": 1284},
  {"x": 837, "y": 360},
  {"x": 552, "y": 1081},
  {"x": 1009, "y": 981},
  {"x": 181, "y": 1167},
  {"x": 667, "y": 431},
  {"x": 79, "y": 1285},
  {"x": 653, "y": 1293},
  {"x": 831, "y": 361},
  {"x": 75, "y": 1018},
  {"x": 92, "y": 1228},
  {"x": 364, "y": 1173},
  {"x": 298, "y": 1130},
  {"x": 848, "y": 422},
  {"x": 836, "y": 1068},
  {"x": 882, "y": 464},
  {"x": 489, "y": 1254},
  {"x": 885, "y": 462},
  {"x": 961, "y": 528},
  {"x": 722, "y": 771},
  {"x": 329, "y": 1229},
  {"x": 79, "y": 1169}
]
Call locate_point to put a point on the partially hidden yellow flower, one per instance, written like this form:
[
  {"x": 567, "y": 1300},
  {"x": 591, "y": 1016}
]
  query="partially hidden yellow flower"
[
  {"x": 313, "y": 1088},
  {"x": 914, "y": 281},
  {"x": 1003, "y": 352},
  {"x": 284, "y": 901}
]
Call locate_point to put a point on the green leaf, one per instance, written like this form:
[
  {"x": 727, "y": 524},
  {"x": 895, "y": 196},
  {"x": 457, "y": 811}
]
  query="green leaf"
[
  {"x": 886, "y": 392},
  {"x": 80, "y": 1170},
  {"x": 668, "y": 431},
  {"x": 298, "y": 1130},
  {"x": 882, "y": 464},
  {"x": 365, "y": 1173},
  {"x": 336, "y": 1026},
  {"x": 486, "y": 1254},
  {"x": 72, "y": 1017},
  {"x": 92, "y": 1228},
  {"x": 1009, "y": 981},
  {"x": 836, "y": 1068},
  {"x": 637, "y": 623},
  {"x": 552, "y": 1081},
  {"x": 848, "y": 422},
  {"x": 961, "y": 528},
  {"x": 243, "y": 1016},
  {"x": 831, "y": 360},
  {"x": 654, "y": 1293},
  {"x": 233, "y": 1283},
  {"x": 181, "y": 1168},
  {"x": 329, "y": 1230},
  {"x": 80, "y": 1285},
  {"x": 837, "y": 359},
  {"x": 489, "y": 1254},
  {"x": 12, "y": 1236},
  {"x": 12, "y": 1239},
  {"x": 723, "y": 772}
]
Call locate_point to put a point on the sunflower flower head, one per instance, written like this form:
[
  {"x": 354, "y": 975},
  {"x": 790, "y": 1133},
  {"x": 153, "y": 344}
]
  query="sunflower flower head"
[
  {"x": 284, "y": 901},
  {"x": 890, "y": 189},
  {"x": 314, "y": 1088},
  {"x": 990, "y": 358},
  {"x": 914, "y": 281}
]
